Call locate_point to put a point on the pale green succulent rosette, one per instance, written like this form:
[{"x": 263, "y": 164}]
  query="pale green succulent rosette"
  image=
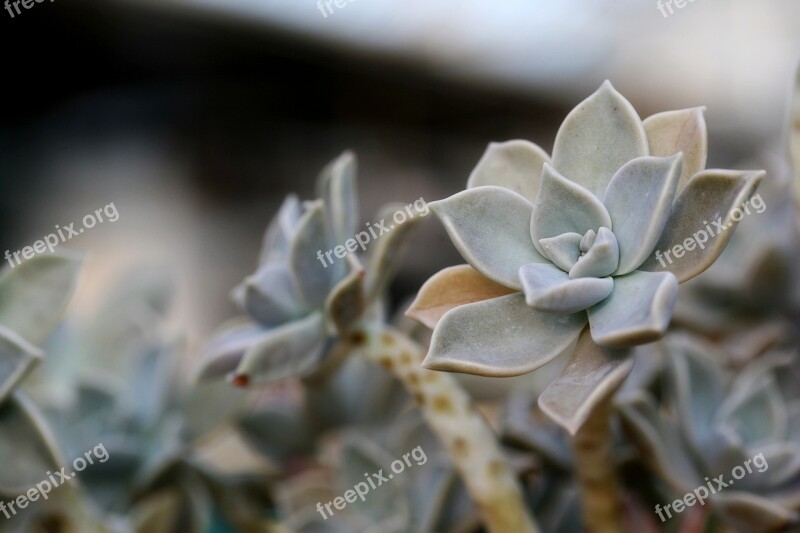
[
  {"x": 297, "y": 305},
  {"x": 712, "y": 421},
  {"x": 556, "y": 243}
]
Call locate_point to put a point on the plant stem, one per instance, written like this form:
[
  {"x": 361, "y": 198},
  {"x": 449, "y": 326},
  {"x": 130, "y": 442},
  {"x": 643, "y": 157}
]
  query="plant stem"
[
  {"x": 451, "y": 414},
  {"x": 594, "y": 463}
]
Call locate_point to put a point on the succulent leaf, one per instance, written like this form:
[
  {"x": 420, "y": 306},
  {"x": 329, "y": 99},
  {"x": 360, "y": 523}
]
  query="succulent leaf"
[
  {"x": 600, "y": 260},
  {"x": 599, "y": 136},
  {"x": 450, "y": 288},
  {"x": 638, "y": 311},
  {"x": 275, "y": 246},
  {"x": 289, "y": 350},
  {"x": 563, "y": 250},
  {"x": 500, "y": 337},
  {"x": 515, "y": 165},
  {"x": 592, "y": 375},
  {"x": 336, "y": 186},
  {"x": 563, "y": 206},
  {"x": 489, "y": 227},
  {"x": 270, "y": 295},
  {"x": 549, "y": 289},
  {"x": 707, "y": 199},
  {"x": 312, "y": 278},
  {"x": 17, "y": 358},
  {"x": 683, "y": 131},
  {"x": 34, "y": 294},
  {"x": 639, "y": 200}
]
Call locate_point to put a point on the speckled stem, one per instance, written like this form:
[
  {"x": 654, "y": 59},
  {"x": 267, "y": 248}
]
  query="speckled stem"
[
  {"x": 594, "y": 463},
  {"x": 451, "y": 414}
]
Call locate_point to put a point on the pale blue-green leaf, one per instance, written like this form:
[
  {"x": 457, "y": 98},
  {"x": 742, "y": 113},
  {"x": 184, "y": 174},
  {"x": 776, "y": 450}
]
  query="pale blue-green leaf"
[
  {"x": 336, "y": 186},
  {"x": 26, "y": 444},
  {"x": 269, "y": 295},
  {"x": 638, "y": 311},
  {"x": 385, "y": 254},
  {"x": 17, "y": 358},
  {"x": 500, "y": 337},
  {"x": 602, "y": 258},
  {"x": 590, "y": 379},
  {"x": 312, "y": 276},
  {"x": 755, "y": 410},
  {"x": 290, "y": 350},
  {"x": 698, "y": 384},
  {"x": 710, "y": 200},
  {"x": 516, "y": 165},
  {"x": 588, "y": 240},
  {"x": 224, "y": 351},
  {"x": 275, "y": 244},
  {"x": 490, "y": 228},
  {"x": 639, "y": 200},
  {"x": 562, "y": 250},
  {"x": 563, "y": 206},
  {"x": 599, "y": 136},
  {"x": 34, "y": 294},
  {"x": 684, "y": 131},
  {"x": 659, "y": 441},
  {"x": 551, "y": 290},
  {"x": 346, "y": 302}
]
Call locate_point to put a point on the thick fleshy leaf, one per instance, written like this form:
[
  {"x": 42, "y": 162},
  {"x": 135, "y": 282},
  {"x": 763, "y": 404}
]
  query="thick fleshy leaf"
[
  {"x": 34, "y": 294},
  {"x": 564, "y": 207},
  {"x": 659, "y": 440},
  {"x": 290, "y": 350},
  {"x": 516, "y": 165},
  {"x": 346, "y": 302},
  {"x": 279, "y": 233},
  {"x": 744, "y": 511},
  {"x": 698, "y": 384},
  {"x": 385, "y": 254},
  {"x": 563, "y": 250},
  {"x": 755, "y": 411},
  {"x": 701, "y": 222},
  {"x": 336, "y": 186},
  {"x": 449, "y": 288},
  {"x": 500, "y": 337},
  {"x": 224, "y": 351},
  {"x": 684, "y": 131},
  {"x": 27, "y": 445},
  {"x": 313, "y": 278},
  {"x": 490, "y": 228},
  {"x": 638, "y": 311},
  {"x": 602, "y": 258},
  {"x": 550, "y": 289},
  {"x": 639, "y": 200},
  {"x": 526, "y": 426},
  {"x": 599, "y": 136},
  {"x": 17, "y": 358},
  {"x": 591, "y": 377},
  {"x": 269, "y": 295}
]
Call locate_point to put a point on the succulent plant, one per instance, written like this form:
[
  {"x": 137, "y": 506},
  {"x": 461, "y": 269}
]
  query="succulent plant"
[
  {"x": 550, "y": 241},
  {"x": 737, "y": 427},
  {"x": 297, "y": 302},
  {"x": 115, "y": 380}
]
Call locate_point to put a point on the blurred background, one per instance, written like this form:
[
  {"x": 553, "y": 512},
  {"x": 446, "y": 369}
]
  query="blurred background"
[{"x": 196, "y": 117}]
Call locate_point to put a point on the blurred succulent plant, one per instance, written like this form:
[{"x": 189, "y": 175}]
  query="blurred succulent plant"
[
  {"x": 711, "y": 421},
  {"x": 116, "y": 382},
  {"x": 296, "y": 303}
]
